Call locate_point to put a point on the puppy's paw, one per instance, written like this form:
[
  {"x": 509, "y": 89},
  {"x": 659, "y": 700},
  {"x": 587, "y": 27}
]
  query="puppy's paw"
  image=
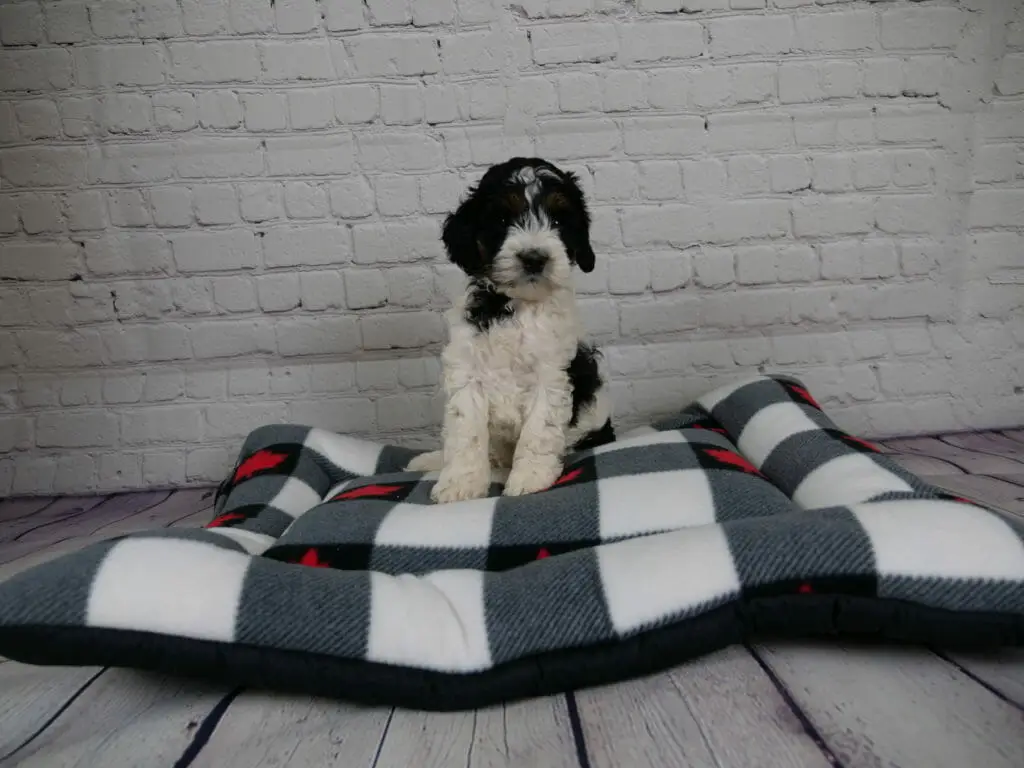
[
  {"x": 531, "y": 476},
  {"x": 461, "y": 485},
  {"x": 425, "y": 462}
]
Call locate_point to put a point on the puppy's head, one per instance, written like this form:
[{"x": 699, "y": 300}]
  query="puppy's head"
[{"x": 522, "y": 228}]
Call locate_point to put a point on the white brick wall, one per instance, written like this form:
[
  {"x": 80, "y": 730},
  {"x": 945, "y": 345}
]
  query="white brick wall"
[{"x": 215, "y": 215}]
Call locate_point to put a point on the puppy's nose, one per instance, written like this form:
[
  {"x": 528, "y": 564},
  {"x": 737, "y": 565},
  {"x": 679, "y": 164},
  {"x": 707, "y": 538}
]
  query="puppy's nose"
[{"x": 533, "y": 261}]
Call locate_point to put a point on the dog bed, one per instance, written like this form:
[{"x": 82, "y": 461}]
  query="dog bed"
[{"x": 328, "y": 571}]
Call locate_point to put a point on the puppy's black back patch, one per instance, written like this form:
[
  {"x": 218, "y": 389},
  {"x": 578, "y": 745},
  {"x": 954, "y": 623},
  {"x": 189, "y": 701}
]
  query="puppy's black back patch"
[
  {"x": 584, "y": 378},
  {"x": 485, "y": 307}
]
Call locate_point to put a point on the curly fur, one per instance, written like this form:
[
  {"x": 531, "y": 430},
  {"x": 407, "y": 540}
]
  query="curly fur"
[{"x": 521, "y": 387}]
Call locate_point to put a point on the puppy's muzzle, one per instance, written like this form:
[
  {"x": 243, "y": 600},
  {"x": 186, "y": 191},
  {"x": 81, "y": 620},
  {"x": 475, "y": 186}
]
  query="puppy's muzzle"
[{"x": 534, "y": 261}]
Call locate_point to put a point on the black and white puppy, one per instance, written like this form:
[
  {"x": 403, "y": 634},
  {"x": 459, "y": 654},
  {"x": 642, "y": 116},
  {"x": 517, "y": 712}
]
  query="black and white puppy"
[{"x": 521, "y": 388}]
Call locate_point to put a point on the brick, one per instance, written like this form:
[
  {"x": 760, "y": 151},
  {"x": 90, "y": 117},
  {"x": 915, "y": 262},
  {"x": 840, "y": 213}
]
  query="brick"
[
  {"x": 751, "y": 35},
  {"x": 172, "y": 206},
  {"x": 175, "y": 111},
  {"x": 871, "y": 170},
  {"x": 365, "y": 289},
  {"x": 113, "y": 19},
  {"x": 128, "y": 208},
  {"x": 829, "y": 32},
  {"x": 310, "y": 245},
  {"x": 303, "y": 200},
  {"x": 147, "y": 343},
  {"x": 397, "y": 195},
  {"x": 73, "y": 304},
  {"x": 574, "y": 42},
  {"x": 346, "y": 415},
  {"x": 748, "y": 175},
  {"x": 37, "y": 118},
  {"x": 158, "y": 19},
  {"x": 248, "y": 16},
  {"x": 807, "y": 82},
  {"x": 132, "y": 254},
  {"x": 662, "y": 316},
  {"x": 219, "y": 109},
  {"x": 431, "y": 12},
  {"x": 749, "y": 131},
  {"x": 705, "y": 177},
  {"x": 472, "y": 53},
  {"x": 261, "y": 201},
  {"x": 317, "y": 336},
  {"x": 831, "y": 173},
  {"x": 374, "y": 56},
  {"x": 912, "y": 168},
  {"x": 409, "y": 286},
  {"x": 67, "y": 21},
  {"x": 232, "y": 338},
  {"x": 579, "y": 138},
  {"x": 235, "y": 420},
  {"x": 918, "y": 28},
  {"x": 39, "y": 261},
  {"x": 628, "y": 275},
  {"x": 404, "y": 330},
  {"x": 1010, "y": 80},
  {"x": 76, "y": 429},
  {"x": 623, "y": 90},
  {"x": 322, "y": 290},
  {"x": 310, "y": 109},
  {"x": 408, "y": 411},
  {"x": 278, "y": 293},
  {"x": 354, "y": 104},
  {"x": 401, "y": 104},
  {"x": 162, "y": 424},
  {"x": 883, "y": 77},
  {"x": 41, "y": 213},
  {"x": 265, "y": 111},
  {"x": 82, "y": 390},
  {"x": 310, "y": 155},
  {"x": 399, "y": 152},
  {"x": 911, "y": 213},
  {"x": 816, "y": 216},
  {"x": 213, "y": 251},
  {"x": 234, "y": 294},
  {"x": 996, "y": 208},
  {"x": 218, "y": 158},
  {"x": 741, "y": 219},
  {"x": 663, "y": 135},
  {"x": 215, "y": 62},
  {"x": 660, "y": 41},
  {"x": 660, "y": 179},
  {"x": 676, "y": 225},
  {"x": 295, "y": 60},
  {"x": 45, "y": 69},
  {"x": 789, "y": 173},
  {"x": 615, "y": 181},
  {"x": 351, "y": 198},
  {"x": 296, "y": 16},
  {"x": 43, "y": 166}
]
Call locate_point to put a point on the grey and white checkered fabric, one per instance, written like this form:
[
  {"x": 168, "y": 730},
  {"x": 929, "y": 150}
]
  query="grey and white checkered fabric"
[{"x": 322, "y": 545}]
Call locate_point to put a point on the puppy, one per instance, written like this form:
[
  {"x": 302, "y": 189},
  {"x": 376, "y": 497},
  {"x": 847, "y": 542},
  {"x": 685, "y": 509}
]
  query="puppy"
[{"x": 521, "y": 388}]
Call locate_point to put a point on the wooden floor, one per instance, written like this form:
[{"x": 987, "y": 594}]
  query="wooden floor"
[{"x": 787, "y": 704}]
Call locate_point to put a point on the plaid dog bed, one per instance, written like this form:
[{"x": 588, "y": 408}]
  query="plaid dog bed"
[{"x": 328, "y": 571}]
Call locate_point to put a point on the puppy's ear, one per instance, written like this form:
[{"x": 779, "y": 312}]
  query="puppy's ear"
[
  {"x": 582, "y": 250},
  {"x": 459, "y": 236},
  {"x": 585, "y": 258}
]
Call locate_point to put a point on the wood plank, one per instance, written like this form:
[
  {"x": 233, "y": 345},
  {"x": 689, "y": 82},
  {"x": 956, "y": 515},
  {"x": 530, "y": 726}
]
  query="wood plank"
[
  {"x": 1002, "y": 669},
  {"x": 61, "y": 510},
  {"x": 22, "y": 507},
  {"x": 111, "y": 510},
  {"x": 124, "y": 718},
  {"x": 970, "y": 461},
  {"x": 176, "y": 509},
  {"x": 987, "y": 442},
  {"x": 523, "y": 734},
  {"x": 925, "y": 466},
  {"x": 721, "y": 710},
  {"x": 1017, "y": 435},
  {"x": 260, "y": 730},
  {"x": 986, "y": 490},
  {"x": 898, "y": 706},
  {"x": 31, "y": 696}
]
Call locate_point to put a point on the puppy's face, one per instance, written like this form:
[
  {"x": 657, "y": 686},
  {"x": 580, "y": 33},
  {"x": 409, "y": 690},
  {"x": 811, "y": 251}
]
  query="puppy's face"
[{"x": 522, "y": 229}]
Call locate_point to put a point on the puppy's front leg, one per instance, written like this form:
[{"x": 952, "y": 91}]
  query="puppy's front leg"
[
  {"x": 541, "y": 447},
  {"x": 466, "y": 473}
]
